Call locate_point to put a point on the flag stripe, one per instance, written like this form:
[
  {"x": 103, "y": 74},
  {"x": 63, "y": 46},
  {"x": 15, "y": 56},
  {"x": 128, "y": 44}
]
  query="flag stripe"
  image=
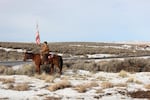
[{"x": 37, "y": 38}]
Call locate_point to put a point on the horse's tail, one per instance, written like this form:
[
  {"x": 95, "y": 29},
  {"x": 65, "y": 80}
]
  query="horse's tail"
[{"x": 61, "y": 62}]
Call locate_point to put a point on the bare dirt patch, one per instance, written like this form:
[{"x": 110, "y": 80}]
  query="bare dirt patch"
[{"x": 140, "y": 94}]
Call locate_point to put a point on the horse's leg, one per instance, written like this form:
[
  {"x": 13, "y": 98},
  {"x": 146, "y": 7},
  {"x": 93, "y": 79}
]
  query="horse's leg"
[
  {"x": 60, "y": 64},
  {"x": 60, "y": 69},
  {"x": 51, "y": 68},
  {"x": 38, "y": 69}
]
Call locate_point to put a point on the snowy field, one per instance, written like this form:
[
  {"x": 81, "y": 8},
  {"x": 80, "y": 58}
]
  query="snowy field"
[{"x": 76, "y": 85}]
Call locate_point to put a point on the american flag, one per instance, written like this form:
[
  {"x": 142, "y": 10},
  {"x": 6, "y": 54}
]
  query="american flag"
[{"x": 37, "y": 36}]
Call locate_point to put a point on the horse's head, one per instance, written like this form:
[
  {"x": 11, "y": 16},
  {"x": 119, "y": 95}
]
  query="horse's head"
[{"x": 27, "y": 55}]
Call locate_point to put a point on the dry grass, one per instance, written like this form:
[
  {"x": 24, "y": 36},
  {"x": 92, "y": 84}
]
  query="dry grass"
[
  {"x": 2, "y": 69},
  {"x": 123, "y": 74},
  {"x": 121, "y": 85},
  {"x": 147, "y": 86},
  {"x": 10, "y": 86},
  {"x": 27, "y": 69},
  {"x": 52, "y": 98},
  {"x": 8, "y": 80},
  {"x": 133, "y": 80},
  {"x": 130, "y": 80},
  {"x": 64, "y": 78},
  {"x": 18, "y": 87},
  {"x": 85, "y": 86},
  {"x": 21, "y": 87},
  {"x": 9, "y": 71},
  {"x": 106, "y": 85},
  {"x": 101, "y": 78},
  {"x": 138, "y": 81},
  {"x": 84, "y": 65},
  {"x": 4, "y": 98},
  {"x": 59, "y": 85},
  {"x": 100, "y": 91},
  {"x": 46, "y": 77},
  {"x": 81, "y": 88}
]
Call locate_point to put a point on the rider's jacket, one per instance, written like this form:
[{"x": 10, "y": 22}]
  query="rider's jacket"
[{"x": 45, "y": 49}]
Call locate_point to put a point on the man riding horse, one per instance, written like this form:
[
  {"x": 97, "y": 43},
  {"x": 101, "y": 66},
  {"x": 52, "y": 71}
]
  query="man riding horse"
[
  {"x": 45, "y": 52},
  {"x": 53, "y": 59}
]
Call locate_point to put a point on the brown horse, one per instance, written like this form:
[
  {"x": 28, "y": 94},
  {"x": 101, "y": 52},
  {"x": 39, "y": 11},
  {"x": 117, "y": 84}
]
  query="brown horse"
[{"x": 53, "y": 60}]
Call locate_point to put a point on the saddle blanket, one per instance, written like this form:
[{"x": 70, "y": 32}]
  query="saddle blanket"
[{"x": 51, "y": 55}]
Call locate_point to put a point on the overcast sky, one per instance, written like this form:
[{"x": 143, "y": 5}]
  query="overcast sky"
[{"x": 75, "y": 20}]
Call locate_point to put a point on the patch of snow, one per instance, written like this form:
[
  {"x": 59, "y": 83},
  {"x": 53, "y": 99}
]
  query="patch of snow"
[
  {"x": 125, "y": 46},
  {"x": 100, "y": 55},
  {"x": 75, "y": 45},
  {"x": 38, "y": 88},
  {"x": 83, "y": 72},
  {"x": 16, "y": 67},
  {"x": 10, "y": 49}
]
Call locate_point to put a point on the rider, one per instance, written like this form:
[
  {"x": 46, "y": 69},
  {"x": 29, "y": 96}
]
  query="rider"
[{"x": 45, "y": 52}]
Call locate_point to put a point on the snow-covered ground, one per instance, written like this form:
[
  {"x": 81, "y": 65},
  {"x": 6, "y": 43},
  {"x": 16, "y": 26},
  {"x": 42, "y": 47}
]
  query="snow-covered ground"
[
  {"x": 10, "y": 49},
  {"x": 109, "y": 86},
  {"x": 83, "y": 84},
  {"x": 100, "y": 55}
]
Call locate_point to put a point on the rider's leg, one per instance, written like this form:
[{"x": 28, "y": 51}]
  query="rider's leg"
[
  {"x": 43, "y": 58},
  {"x": 46, "y": 58}
]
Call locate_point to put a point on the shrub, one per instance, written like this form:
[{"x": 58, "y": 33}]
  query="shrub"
[
  {"x": 84, "y": 65},
  {"x": 133, "y": 80},
  {"x": 123, "y": 73},
  {"x": 2, "y": 69},
  {"x": 83, "y": 87},
  {"x": 121, "y": 85},
  {"x": 99, "y": 91},
  {"x": 7, "y": 80},
  {"x": 59, "y": 85},
  {"x": 101, "y": 78},
  {"x": 52, "y": 98},
  {"x": 9, "y": 71},
  {"x": 21, "y": 87},
  {"x": 147, "y": 86},
  {"x": 129, "y": 65},
  {"x": 44, "y": 76},
  {"x": 106, "y": 84},
  {"x": 27, "y": 69},
  {"x": 130, "y": 80}
]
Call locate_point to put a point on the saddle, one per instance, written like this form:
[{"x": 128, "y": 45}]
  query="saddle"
[
  {"x": 46, "y": 58},
  {"x": 50, "y": 56}
]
